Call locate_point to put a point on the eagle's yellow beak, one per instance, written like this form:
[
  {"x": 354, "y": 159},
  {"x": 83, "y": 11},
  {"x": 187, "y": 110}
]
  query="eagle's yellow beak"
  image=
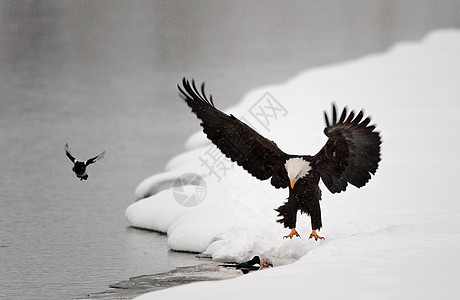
[{"x": 293, "y": 181}]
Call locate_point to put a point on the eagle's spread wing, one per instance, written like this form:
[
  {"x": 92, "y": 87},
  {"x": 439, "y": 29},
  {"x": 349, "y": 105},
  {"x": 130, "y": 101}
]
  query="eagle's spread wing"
[
  {"x": 351, "y": 154},
  {"x": 67, "y": 152},
  {"x": 259, "y": 156},
  {"x": 95, "y": 159}
]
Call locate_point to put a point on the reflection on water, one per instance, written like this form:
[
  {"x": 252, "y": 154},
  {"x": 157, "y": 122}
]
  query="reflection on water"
[{"x": 101, "y": 75}]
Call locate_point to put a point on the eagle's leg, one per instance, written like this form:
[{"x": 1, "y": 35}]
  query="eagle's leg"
[
  {"x": 291, "y": 235},
  {"x": 314, "y": 210},
  {"x": 288, "y": 214},
  {"x": 315, "y": 235}
]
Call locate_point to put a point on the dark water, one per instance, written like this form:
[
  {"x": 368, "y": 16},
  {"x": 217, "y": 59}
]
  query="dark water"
[{"x": 102, "y": 75}]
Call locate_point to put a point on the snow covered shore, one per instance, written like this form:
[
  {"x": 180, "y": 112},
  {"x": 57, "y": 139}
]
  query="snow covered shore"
[{"x": 396, "y": 238}]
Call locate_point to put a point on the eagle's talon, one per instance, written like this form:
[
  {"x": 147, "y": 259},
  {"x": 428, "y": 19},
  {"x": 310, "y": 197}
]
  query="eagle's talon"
[
  {"x": 291, "y": 234},
  {"x": 315, "y": 235}
]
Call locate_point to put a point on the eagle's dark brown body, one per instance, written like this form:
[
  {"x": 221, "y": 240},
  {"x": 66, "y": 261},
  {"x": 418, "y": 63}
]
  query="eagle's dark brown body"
[
  {"x": 305, "y": 196},
  {"x": 350, "y": 155}
]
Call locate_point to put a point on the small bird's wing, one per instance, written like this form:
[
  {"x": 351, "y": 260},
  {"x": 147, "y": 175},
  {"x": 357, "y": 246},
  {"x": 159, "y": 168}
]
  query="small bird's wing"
[
  {"x": 95, "y": 159},
  {"x": 67, "y": 152},
  {"x": 351, "y": 154},
  {"x": 259, "y": 156}
]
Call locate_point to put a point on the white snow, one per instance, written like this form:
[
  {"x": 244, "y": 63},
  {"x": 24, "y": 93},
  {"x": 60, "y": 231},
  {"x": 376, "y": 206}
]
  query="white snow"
[{"x": 396, "y": 238}]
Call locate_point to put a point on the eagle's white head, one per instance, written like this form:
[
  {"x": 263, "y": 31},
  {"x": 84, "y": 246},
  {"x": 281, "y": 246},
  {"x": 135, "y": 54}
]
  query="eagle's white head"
[{"x": 297, "y": 168}]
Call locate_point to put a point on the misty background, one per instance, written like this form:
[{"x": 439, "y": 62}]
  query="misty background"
[{"x": 102, "y": 75}]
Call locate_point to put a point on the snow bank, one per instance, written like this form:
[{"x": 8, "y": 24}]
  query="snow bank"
[{"x": 398, "y": 237}]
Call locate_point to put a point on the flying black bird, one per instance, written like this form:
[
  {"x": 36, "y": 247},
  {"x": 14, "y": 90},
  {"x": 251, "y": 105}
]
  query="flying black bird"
[
  {"x": 79, "y": 167},
  {"x": 350, "y": 155}
]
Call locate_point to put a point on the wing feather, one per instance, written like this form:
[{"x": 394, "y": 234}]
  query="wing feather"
[
  {"x": 95, "y": 159},
  {"x": 352, "y": 152},
  {"x": 67, "y": 152},
  {"x": 258, "y": 155}
]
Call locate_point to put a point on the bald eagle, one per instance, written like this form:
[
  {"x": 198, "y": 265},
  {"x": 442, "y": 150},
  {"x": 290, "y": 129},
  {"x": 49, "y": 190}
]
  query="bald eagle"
[{"x": 350, "y": 155}]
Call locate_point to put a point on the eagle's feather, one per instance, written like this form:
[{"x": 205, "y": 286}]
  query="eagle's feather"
[{"x": 259, "y": 156}]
